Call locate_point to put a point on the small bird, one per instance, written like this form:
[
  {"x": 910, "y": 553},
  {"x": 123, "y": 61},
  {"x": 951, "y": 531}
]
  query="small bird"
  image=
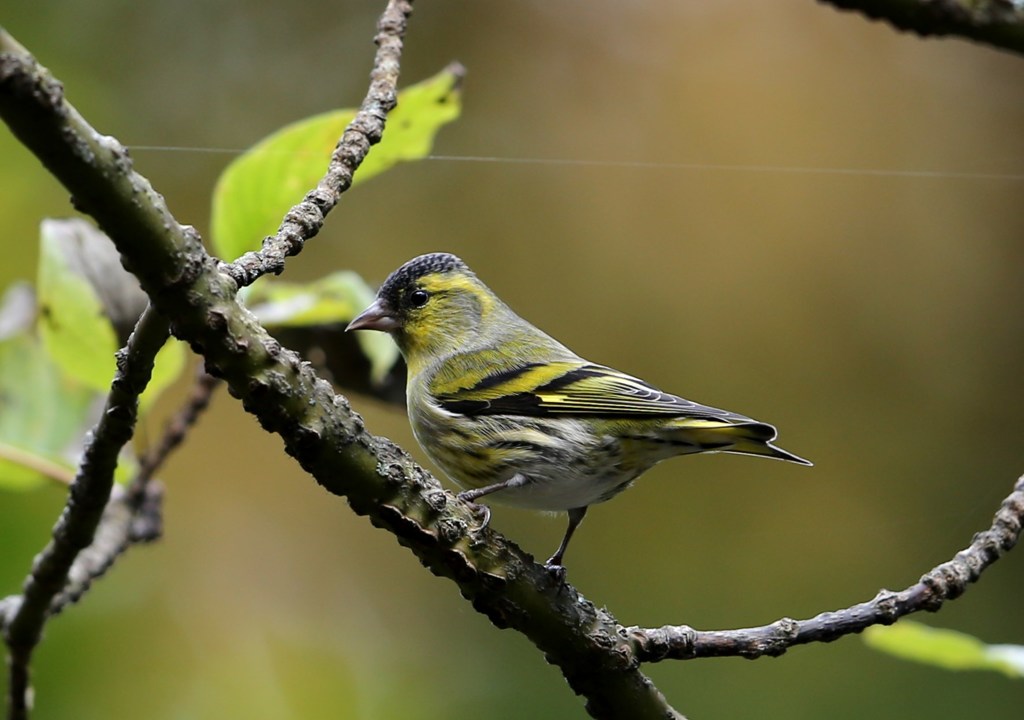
[{"x": 511, "y": 414}]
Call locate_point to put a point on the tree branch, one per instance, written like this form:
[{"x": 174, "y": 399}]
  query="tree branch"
[
  {"x": 599, "y": 658},
  {"x": 198, "y": 400},
  {"x": 306, "y": 219},
  {"x": 945, "y": 582},
  {"x": 319, "y": 428},
  {"x": 999, "y": 23},
  {"x": 76, "y": 528},
  {"x": 134, "y": 513}
]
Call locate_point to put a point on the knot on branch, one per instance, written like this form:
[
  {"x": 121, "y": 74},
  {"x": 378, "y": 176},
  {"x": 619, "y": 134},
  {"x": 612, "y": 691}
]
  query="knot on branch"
[
  {"x": 886, "y": 607},
  {"x": 656, "y": 644},
  {"x": 1009, "y": 518}
]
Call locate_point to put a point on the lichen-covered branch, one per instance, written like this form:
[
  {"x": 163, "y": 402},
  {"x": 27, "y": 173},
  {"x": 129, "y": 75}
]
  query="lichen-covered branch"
[
  {"x": 999, "y": 23},
  {"x": 945, "y": 582}
]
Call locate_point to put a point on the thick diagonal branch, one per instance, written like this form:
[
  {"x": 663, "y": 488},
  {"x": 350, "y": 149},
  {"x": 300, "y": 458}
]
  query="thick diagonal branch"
[{"x": 999, "y": 23}]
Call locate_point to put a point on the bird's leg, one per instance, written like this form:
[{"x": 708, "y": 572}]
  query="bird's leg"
[
  {"x": 554, "y": 563},
  {"x": 470, "y": 496}
]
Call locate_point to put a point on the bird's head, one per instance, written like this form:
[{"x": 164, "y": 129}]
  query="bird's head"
[{"x": 432, "y": 306}]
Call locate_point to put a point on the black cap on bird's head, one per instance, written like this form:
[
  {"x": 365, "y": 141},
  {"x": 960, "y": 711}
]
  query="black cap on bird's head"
[
  {"x": 403, "y": 280},
  {"x": 402, "y": 291}
]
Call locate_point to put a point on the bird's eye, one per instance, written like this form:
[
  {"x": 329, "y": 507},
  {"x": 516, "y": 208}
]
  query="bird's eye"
[{"x": 418, "y": 298}]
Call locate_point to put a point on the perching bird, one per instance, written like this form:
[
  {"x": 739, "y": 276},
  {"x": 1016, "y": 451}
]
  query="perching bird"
[{"x": 510, "y": 413}]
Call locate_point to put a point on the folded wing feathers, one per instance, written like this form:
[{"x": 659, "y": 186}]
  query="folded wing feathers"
[{"x": 582, "y": 390}]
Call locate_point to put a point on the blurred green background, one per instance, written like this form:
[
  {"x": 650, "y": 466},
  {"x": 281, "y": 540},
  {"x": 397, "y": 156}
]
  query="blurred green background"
[{"x": 876, "y": 317}]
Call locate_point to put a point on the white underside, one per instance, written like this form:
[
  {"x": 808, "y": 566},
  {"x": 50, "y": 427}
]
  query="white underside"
[{"x": 588, "y": 475}]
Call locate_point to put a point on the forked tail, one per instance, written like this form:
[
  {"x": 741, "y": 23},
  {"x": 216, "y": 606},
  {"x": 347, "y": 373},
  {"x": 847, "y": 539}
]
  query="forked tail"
[{"x": 743, "y": 438}]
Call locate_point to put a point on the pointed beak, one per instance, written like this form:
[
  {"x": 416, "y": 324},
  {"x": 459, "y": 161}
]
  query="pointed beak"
[{"x": 375, "y": 317}]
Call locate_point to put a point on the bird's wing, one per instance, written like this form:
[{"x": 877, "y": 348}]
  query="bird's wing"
[{"x": 576, "y": 389}]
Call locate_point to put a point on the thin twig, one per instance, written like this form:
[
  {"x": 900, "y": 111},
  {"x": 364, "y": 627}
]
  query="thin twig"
[
  {"x": 945, "y": 582},
  {"x": 134, "y": 514},
  {"x": 176, "y": 429},
  {"x": 87, "y": 499},
  {"x": 306, "y": 219}
]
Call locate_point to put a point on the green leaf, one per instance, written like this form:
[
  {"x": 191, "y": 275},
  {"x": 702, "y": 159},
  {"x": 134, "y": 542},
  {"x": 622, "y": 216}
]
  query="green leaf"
[
  {"x": 84, "y": 297},
  {"x": 332, "y": 300},
  {"x": 75, "y": 331},
  {"x": 947, "y": 649},
  {"x": 260, "y": 186},
  {"x": 43, "y": 416},
  {"x": 336, "y": 298}
]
